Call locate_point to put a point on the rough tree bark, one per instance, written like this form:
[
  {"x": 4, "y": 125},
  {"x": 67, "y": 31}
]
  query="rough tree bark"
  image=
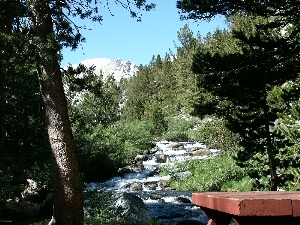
[
  {"x": 270, "y": 149},
  {"x": 2, "y": 131},
  {"x": 68, "y": 195}
]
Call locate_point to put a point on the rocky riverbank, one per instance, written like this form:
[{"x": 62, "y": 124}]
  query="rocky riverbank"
[{"x": 143, "y": 180}]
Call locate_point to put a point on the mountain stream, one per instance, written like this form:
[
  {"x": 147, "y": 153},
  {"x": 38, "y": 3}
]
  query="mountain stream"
[{"x": 164, "y": 205}]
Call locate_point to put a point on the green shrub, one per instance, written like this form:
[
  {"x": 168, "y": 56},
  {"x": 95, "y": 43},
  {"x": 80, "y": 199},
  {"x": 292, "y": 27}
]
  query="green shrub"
[
  {"x": 207, "y": 175},
  {"x": 213, "y": 132},
  {"x": 176, "y": 136},
  {"x": 179, "y": 129},
  {"x": 136, "y": 134},
  {"x": 106, "y": 149},
  {"x": 100, "y": 149}
]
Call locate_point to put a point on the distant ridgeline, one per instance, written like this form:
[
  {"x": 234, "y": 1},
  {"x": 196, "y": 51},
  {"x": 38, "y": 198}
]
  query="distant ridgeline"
[{"x": 117, "y": 67}]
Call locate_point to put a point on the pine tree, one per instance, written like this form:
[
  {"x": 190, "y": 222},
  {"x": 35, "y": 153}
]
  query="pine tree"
[
  {"x": 285, "y": 100},
  {"x": 243, "y": 73},
  {"x": 187, "y": 90}
]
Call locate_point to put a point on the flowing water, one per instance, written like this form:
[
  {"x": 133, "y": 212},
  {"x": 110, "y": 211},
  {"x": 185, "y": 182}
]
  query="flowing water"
[{"x": 164, "y": 205}]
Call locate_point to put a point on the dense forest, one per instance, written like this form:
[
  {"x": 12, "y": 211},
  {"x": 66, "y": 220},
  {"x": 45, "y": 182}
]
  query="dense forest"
[{"x": 245, "y": 77}]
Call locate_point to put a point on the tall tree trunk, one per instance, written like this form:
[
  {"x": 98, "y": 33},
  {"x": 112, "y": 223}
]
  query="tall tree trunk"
[
  {"x": 68, "y": 197},
  {"x": 2, "y": 107},
  {"x": 270, "y": 150}
]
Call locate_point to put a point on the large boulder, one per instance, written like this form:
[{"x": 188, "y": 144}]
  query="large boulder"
[
  {"x": 151, "y": 185},
  {"x": 135, "y": 168},
  {"x": 141, "y": 158},
  {"x": 202, "y": 152},
  {"x": 132, "y": 208},
  {"x": 199, "y": 152},
  {"x": 163, "y": 182},
  {"x": 35, "y": 192},
  {"x": 182, "y": 200},
  {"x": 136, "y": 187}
]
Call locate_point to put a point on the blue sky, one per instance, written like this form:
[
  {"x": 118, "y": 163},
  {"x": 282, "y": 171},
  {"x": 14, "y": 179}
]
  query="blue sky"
[{"x": 122, "y": 37}]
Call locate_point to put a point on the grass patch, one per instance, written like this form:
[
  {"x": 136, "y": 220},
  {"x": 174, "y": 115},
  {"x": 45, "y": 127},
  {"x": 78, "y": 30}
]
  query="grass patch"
[
  {"x": 206, "y": 175},
  {"x": 242, "y": 184}
]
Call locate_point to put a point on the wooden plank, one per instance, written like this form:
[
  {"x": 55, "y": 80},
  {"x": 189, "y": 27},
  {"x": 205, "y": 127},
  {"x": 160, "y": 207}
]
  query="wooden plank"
[{"x": 251, "y": 203}]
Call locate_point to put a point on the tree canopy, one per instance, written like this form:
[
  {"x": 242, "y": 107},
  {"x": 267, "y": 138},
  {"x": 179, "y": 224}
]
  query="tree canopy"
[{"x": 242, "y": 67}]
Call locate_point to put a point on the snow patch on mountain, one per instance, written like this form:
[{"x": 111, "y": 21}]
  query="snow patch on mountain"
[{"x": 118, "y": 68}]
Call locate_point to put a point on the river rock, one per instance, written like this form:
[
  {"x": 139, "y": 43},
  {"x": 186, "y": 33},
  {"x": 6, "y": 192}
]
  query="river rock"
[
  {"x": 132, "y": 208},
  {"x": 199, "y": 151},
  {"x": 174, "y": 145},
  {"x": 182, "y": 175},
  {"x": 156, "y": 197},
  {"x": 202, "y": 152},
  {"x": 34, "y": 192},
  {"x": 141, "y": 158},
  {"x": 135, "y": 168},
  {"x": 153, "y": 150},
  {"x": 163, "y": 182},
  {"x": 145, "y": 152},
  {"x": 182, "y": 200},
  {"x": 136, "y": 187},
  {"x": 151, "y": 185},
  {"x": 161, "y": 158}
]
